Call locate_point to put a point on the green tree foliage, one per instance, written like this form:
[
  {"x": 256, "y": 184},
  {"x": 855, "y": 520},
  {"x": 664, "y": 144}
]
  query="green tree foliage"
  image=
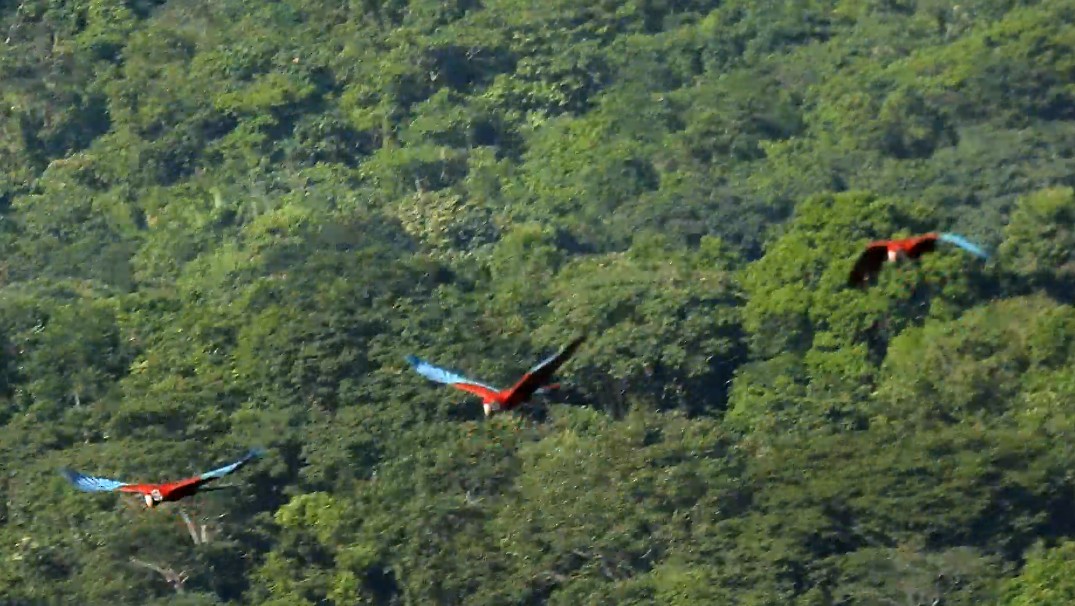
[
  {"x": 1045, "y": 580},
  {"x": 665, "y": 324},
  {"x": 1039, "y": 240},
  {"x": 979, "y": 365},
  {"x": 225, "y": 223}
]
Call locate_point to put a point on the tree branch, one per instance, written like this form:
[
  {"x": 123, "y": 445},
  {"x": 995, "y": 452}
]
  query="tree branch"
[
  {"x": 191, "y": 529},
  {"x": 173, "y": 578}
]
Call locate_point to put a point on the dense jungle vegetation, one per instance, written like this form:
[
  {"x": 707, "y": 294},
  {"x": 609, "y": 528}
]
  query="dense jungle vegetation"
[{"x": 224, "y": 223}]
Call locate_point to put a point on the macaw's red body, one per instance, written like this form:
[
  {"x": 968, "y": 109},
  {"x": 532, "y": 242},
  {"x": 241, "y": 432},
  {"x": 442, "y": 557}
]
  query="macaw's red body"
[
  {"x": 535, "y": 381},
  {"x": 162, "y": 493},
  {"x": 155, "y": 494},
  {"x": 873, "y": 259}
]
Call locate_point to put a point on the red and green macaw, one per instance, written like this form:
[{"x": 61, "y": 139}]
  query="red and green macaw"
[
  {"x": 535, "y": 381},
  {"x": 156, "y": 494},
  {"x": 872, "y": 260}
]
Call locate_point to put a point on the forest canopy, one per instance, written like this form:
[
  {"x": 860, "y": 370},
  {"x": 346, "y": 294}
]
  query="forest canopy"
[{"x": 225, "y": 223}]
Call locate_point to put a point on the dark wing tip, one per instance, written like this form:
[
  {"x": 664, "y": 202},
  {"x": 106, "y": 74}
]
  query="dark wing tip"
[
  {"x": 860, "y": 279},
  {"x": 413, "y": 360},
  {"x": 867, "y": 265},
  {"x": 69, "y": 474},
  {"x": 256, "y": 453},
  {"x": 574, "y": 344},
  {"x": 212, "y": 487}
]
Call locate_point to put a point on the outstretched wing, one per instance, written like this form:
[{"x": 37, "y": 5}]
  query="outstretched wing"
[
  {"x": 868, "y": 264},
  {"x": 220, "y": 472},
  {"x": 447, "y": 377},
  {"x": 212, "y": 487},
  {"x": 540, "y": 374},
  {"x": 91, "y": 483},
  {"x": 965, "y": 244},
  {"x": 188, "y": 486}
]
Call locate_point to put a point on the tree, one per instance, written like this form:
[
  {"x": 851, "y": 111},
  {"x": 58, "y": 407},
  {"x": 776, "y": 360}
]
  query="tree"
[
  {"x": 1045, "y": 578},
  {"x": 1038, "y": 241}
]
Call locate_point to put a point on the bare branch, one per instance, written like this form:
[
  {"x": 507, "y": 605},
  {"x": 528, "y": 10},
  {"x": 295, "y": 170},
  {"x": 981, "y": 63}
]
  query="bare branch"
[
  {"x": 170, "y": 576},
  {"x": 191, "y": 529},
  {"x": 15, "y": 25}
]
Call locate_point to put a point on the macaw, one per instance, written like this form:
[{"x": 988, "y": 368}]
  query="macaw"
[
  {"x": 156, "y": 494},
  {"x": 535, "y": 381},
  {"x": 870, "y": 262}
]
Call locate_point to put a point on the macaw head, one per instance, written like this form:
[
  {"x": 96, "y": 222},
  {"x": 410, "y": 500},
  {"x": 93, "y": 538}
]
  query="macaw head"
[
  {"x": 153, "y": 498},
  {"x": 490, "y": 407},
  {"x": 896, "y": 254}
]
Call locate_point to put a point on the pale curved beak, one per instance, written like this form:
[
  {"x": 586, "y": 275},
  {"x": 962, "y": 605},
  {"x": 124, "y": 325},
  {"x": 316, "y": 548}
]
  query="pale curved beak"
[{"x": 149, "y": 501}]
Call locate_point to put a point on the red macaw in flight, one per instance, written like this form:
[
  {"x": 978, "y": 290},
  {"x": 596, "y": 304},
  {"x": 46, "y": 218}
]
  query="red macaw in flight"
[
  {"x": 870, "y": 262},
  {"x": 535, "y": 381},
  {"x": 156, "y": 494}
]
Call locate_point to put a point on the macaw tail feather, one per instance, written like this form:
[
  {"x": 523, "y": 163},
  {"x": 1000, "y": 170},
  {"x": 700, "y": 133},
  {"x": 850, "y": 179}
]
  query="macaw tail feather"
[
  {"x": 87, "y": 483},
  {"x": 447, "y": 377},
  {"x": 965, "y": 244}
]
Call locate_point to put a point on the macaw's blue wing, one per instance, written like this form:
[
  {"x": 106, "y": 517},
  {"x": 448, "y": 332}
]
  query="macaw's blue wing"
[
  {"x": 91, "y": 483},
  {"x": 965, "y": 244},
  {"x": 442, "y": 375},
  {"x": 231, "y": 467}
]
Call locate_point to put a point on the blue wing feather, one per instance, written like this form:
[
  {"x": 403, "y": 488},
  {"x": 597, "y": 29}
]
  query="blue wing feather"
[
  {"x": 965, "y": 244},
  {"x": 229, "y": 468},
  {"x": 91, "y": 483},
  {"x": 543, "y": 363},
  {"x": 441, "y": 375}
]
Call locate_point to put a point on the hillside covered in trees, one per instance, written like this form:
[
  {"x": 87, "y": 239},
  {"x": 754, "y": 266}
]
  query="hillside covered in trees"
[{"x": 225, "y": 223}]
